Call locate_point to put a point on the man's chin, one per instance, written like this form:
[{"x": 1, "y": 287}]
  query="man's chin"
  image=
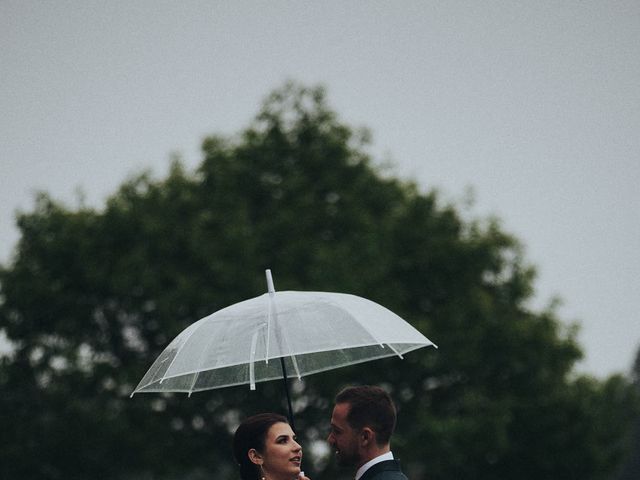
[{"x": 345, "y": 461}]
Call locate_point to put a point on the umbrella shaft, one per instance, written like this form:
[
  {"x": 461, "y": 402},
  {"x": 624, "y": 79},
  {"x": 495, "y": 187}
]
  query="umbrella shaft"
[{"x": 286, "y": 390}]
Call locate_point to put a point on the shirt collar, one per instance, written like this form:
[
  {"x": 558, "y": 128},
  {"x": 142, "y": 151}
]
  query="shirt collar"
[{"x": 372, "y": 462}]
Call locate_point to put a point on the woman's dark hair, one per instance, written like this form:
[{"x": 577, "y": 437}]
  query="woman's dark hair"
[{"x": 252, "y": 433}]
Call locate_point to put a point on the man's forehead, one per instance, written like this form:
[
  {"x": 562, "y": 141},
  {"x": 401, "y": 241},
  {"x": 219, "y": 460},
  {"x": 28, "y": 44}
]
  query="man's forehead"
[{"x": 340, "y": 412}]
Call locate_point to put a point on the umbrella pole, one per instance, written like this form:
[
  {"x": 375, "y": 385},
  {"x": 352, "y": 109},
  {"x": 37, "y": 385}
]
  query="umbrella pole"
[{"x": 286, "y": 390}]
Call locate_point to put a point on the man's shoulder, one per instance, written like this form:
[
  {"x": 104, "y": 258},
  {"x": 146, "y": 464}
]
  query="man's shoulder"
[{"x": 387, "y": 470}]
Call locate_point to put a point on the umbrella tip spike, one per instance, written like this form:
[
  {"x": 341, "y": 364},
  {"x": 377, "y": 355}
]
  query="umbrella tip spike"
[{"x": 270, "y": 286}]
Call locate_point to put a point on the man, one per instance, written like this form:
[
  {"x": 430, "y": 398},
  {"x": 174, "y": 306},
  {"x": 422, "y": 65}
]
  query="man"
[{"x": 362, "y": 422}]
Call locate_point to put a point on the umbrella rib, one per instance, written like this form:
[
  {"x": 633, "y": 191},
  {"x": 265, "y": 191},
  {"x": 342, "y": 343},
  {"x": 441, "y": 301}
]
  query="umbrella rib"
[
  {"x": 195, "y": 379},
  {"x": 252, "y": 373},
  {"x": 200, "y": 360},
  {"x": 283, "y": 337},
  {"x": 357, "y": 320},
  {"x": 267, "y": 342},
  {"x": 197, "y": 371},
  {"x": 272, "y": 291},
  {"x": 271, "y": 308},
  {"x": 375, "y": 338},
  {"x": 272, "y": 313},
  {"x": 295, "y": 366},
  {"x": 396, "y": 351},
  {"x": 176, "y": 355}
]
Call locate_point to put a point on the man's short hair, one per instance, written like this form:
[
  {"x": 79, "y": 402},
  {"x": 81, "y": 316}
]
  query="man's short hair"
[{"x": 372, "y": 407}]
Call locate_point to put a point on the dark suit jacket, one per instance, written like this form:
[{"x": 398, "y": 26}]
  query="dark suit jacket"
[{"x": 387, "y": 470}]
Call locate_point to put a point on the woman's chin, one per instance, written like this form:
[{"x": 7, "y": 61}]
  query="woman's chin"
[{"x": 295, "y": 471}]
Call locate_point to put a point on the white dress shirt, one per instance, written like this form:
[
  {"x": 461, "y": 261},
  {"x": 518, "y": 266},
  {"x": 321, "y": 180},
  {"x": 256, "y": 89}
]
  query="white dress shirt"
[{"x": 372, "y": 462}]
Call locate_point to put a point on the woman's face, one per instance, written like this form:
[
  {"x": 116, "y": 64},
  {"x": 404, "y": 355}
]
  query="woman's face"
[{"x": 282, "y": 455}]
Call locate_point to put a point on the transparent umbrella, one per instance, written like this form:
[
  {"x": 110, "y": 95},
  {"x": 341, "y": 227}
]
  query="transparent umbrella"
[{"x": 279, "y": 335}]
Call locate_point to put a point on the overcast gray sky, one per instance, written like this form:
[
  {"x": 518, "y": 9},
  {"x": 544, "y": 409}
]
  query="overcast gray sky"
[{"x": 536, "y": 105}]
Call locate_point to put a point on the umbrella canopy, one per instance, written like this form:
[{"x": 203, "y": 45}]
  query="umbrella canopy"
[{"x": 304, "y": 332}]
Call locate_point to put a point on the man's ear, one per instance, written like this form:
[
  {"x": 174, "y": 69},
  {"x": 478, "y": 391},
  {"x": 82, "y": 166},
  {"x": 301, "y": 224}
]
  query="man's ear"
[
  {"x": 367, "y": 436},
  {"x": 255, "y": 457}
]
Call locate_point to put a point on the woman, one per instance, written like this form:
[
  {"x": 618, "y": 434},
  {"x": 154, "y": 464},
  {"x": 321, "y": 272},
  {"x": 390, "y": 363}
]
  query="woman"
[{"x": 265, "y": 447}]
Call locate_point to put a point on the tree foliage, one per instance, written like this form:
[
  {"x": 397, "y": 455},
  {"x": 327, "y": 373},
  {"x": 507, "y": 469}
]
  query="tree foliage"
[
  {"x": 630, "y": 469},
  {"x": 91, "y": 297}
]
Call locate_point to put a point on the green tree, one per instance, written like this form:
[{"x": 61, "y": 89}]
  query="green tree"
[
  {"x": 91, "y": 297},
  {"x": 630, "y": 469}
]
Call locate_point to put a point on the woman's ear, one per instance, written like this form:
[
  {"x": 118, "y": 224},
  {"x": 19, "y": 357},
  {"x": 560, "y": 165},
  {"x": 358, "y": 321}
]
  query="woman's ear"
[{"x": 255, "y": 457}]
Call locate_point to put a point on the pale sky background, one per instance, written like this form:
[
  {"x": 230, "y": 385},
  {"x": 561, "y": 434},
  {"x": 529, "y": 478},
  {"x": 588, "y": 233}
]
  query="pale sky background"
[{"x": 536, "y": 105}]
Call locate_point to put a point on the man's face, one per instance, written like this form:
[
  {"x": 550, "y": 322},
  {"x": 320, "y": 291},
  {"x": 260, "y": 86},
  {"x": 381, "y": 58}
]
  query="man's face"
[{"x": 342, "y": 438}]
